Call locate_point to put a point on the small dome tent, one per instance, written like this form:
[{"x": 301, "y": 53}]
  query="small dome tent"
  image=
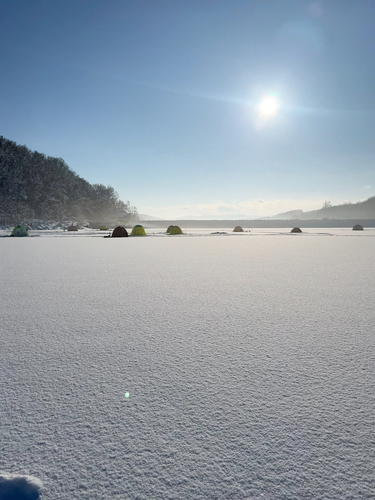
[
  {"x": 358, "y": 227},
  {"x": 103, "y": 228},
  {"x": 20, "y": 231},
  {"x": 174, "y": 230},
  {"x": 238, "y": 229},
  {"x": 138, "y": 230},
  {"x": 296, "y": 230},
  {"x": 72, "y": 228},
  {"x": 119, "y": 232}
]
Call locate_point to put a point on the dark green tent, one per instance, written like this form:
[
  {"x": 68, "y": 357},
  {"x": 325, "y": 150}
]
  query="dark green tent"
[{"x": 20, "y": 231}]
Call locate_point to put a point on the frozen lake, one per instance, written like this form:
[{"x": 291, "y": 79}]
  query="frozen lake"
[{"x": 249, "y": 362}]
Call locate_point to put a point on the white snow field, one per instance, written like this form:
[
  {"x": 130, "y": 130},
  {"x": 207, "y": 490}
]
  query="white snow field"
[{"x": 249, "y": 363}]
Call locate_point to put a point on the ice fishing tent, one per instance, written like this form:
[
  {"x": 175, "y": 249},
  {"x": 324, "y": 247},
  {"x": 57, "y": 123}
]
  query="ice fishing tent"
[
  {"x": 296, "y": 230},
  {"x": 138, "y": 230},
  {"x": 174, "y": 230},
  {"x": 119, "y": 232},
  {"x": 20, "y": 231},
  {"x": 103, "y": 228},
  {"x": 358, "y": 227},
  {"x": 72, "y": 228},
  {"x": 238, "y": 229}
]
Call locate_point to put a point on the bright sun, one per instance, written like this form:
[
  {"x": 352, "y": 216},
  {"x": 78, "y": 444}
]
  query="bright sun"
[{"x": 268, "y": 106}]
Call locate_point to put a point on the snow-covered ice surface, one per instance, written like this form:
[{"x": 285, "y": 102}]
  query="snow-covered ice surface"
[{"x": 249, "y": 363}]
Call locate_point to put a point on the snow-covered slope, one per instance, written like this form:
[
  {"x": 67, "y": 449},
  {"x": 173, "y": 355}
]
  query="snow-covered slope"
[{"x": 249, "y": 364}]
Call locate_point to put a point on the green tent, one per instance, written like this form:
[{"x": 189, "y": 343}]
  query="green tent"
[
  {"x": 174, "y": 230},
  {"x": 20, "y": 231},
  {"x": 138, "y": 231}
]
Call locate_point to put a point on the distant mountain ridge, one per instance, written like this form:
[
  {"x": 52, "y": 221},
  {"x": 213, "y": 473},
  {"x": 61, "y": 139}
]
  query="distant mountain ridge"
[
  {"x": 219, "y": 217},
  {"x": 360, "y": 210},
  {"x": 145, "y": 217}
]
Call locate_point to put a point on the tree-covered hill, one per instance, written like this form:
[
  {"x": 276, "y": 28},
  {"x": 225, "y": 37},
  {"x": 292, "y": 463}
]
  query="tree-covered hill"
[{"x": 36, "y": 186}]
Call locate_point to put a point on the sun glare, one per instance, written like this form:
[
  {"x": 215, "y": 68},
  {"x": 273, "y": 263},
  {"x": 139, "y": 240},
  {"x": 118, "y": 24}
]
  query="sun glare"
[{"x": 268, "y": 106}]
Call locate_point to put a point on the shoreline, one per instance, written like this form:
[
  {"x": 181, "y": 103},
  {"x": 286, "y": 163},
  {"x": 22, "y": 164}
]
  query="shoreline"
[{"x": 262, "y": 223}]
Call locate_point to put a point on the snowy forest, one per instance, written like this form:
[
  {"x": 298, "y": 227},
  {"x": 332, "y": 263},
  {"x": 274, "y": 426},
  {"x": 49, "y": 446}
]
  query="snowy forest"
[{"x": 34, "y": 186}]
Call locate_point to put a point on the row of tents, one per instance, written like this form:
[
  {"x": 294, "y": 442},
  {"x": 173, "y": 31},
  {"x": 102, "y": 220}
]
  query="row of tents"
[
  {"x": 138, "y": 230},
  {"x": 357, "y": 227},
  {"x": 118, "y": 232}
]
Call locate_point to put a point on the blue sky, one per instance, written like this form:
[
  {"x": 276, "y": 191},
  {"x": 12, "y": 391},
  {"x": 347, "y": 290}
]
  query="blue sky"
[{"x": 160, "y": 99}]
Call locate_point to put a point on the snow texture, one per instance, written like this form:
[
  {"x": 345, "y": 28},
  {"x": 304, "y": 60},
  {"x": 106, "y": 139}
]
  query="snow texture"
[
  {"x": 249, "y": 363},
  {"x": 17, "y": 487}
]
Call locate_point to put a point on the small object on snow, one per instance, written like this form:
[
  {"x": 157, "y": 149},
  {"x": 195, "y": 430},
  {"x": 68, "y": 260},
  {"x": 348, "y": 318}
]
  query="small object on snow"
[
  {"x": 358, "y": 227},
  {"x": 138, "y": 230},
  {"x": 20, "y": 231},
  {"x": 119, "y": 232},
  {"x": 174, "y": 230},
  {"x": 127, "y": 395},
  {"x": 72, "y": 228},
  {"x": 296, "y": 230},
  {"x": 238, "y": 229}
]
